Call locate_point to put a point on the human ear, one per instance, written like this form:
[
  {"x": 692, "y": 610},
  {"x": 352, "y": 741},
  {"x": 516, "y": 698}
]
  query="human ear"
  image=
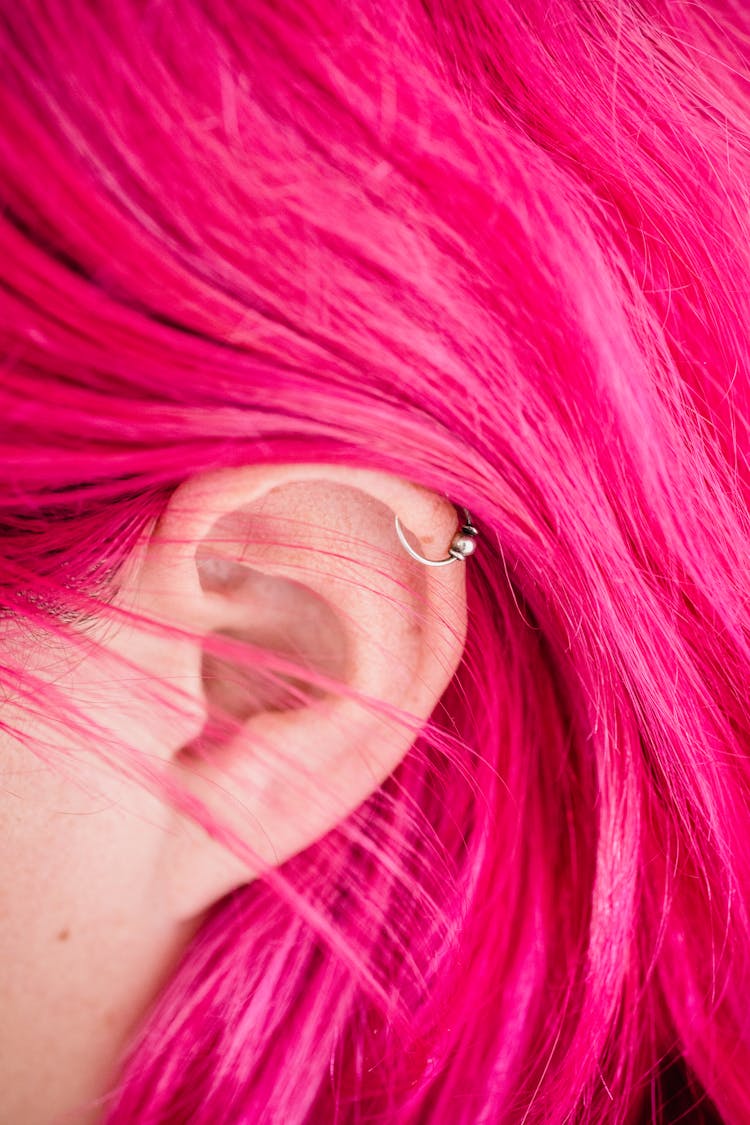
[{"x": 302, "y": 561}]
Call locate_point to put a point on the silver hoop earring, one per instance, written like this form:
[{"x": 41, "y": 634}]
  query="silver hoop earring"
[{"x": 461, "y": 546}]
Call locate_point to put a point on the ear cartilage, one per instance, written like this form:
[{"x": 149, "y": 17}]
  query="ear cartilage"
[{"x": 462, "y": 544}]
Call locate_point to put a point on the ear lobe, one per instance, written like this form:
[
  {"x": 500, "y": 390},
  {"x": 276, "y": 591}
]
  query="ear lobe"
[{"x": 302, "y": 563}]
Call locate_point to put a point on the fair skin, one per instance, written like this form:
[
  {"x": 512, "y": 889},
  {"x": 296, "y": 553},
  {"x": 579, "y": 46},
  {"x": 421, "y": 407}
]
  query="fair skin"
[{"x": 103, "y": 884}]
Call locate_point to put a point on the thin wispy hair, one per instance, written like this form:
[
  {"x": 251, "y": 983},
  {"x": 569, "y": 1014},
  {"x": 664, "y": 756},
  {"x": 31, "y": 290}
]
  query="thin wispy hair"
[{"x": 500, "y": 249}]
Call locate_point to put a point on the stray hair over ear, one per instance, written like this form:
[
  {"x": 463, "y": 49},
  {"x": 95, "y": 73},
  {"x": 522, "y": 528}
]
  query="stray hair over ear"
[
  {"x": 499, "y": 252},
  {"x": 311, "y": 652}
]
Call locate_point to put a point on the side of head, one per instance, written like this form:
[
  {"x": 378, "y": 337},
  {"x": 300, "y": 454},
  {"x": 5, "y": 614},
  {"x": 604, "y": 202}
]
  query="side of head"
[{"x": 440, "y": 843}]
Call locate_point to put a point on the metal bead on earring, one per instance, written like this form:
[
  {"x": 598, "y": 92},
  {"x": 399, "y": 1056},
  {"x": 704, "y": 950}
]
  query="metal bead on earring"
[{"x": 461, "y": 546}]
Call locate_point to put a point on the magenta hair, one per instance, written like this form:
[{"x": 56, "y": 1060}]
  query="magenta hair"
[{"x": 501, "y": 249}]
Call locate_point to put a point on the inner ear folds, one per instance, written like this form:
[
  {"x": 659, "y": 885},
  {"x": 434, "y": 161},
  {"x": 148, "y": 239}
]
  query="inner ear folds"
[
  {"x": 307, "y": 579},
  {"x": 280, "y": 616},
  {"x": 294, "y": 586}
]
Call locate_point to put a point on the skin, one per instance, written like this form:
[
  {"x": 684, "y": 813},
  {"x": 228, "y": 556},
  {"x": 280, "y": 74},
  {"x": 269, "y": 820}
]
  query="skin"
[
  {"x": 102, "y": 884},
  {"x": 87, "y": 936}
]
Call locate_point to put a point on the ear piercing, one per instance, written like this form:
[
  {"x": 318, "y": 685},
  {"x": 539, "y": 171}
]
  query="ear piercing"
[{"x": 461, "y": 546}]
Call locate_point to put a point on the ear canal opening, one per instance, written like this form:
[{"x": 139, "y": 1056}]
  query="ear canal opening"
[
  {"x": 242, "y": 691},
  {"x": 281, "y": 616}
]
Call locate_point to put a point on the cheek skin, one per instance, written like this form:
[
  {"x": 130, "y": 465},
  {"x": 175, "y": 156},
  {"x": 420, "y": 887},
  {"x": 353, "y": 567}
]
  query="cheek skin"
[{"x": 86, "y": 936}]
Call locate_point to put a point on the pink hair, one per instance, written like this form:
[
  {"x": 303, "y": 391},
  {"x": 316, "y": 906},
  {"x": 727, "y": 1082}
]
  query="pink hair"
[{"x": 500, "y": 249}]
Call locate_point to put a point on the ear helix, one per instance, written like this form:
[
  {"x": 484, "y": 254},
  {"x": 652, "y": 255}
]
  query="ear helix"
[{"x": 461, "y": 546}]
